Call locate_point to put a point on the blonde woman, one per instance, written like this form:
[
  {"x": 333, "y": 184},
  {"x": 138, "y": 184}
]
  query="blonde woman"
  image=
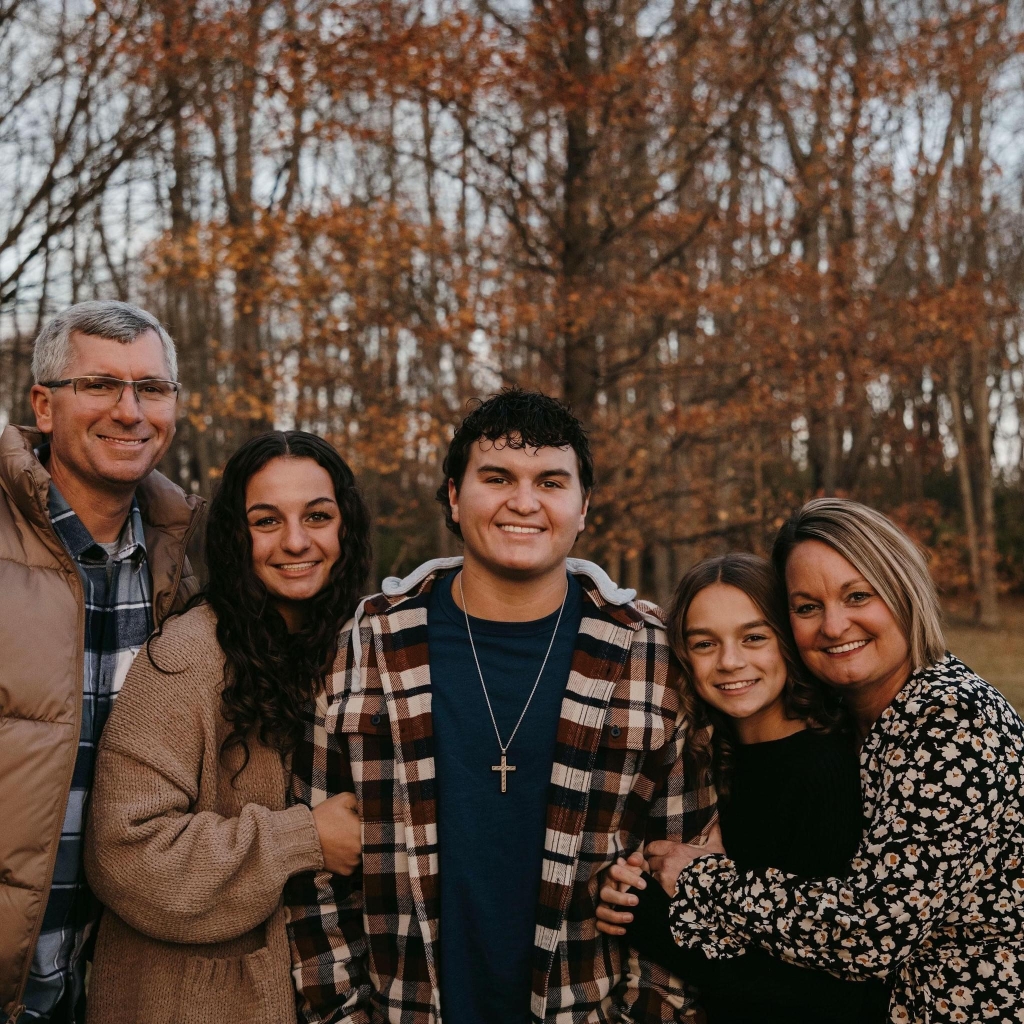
[{"x": 934, "y": 898}]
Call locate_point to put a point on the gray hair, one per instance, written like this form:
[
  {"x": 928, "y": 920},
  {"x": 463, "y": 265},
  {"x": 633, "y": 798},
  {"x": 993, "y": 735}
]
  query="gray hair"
[
  {"x": 889, "y": 560},
  {"x": 118, "y": 321}
]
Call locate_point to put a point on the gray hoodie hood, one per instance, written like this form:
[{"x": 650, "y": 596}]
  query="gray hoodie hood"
[{"x": 394, "y": 588}]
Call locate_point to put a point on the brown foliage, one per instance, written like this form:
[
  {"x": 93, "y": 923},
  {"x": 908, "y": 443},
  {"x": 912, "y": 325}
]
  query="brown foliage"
[{"x": 767, "y": 250}]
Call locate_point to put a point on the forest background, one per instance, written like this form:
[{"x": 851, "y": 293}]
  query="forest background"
[{"x": 766, "y": 248}]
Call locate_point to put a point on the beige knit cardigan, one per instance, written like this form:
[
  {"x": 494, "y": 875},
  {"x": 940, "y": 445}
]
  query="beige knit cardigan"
[{"x": 190, "y": 864}]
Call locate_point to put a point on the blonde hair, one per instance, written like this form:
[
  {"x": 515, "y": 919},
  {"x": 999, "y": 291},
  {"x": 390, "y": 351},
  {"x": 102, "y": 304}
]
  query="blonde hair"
[{"x": 888, "y": 559}]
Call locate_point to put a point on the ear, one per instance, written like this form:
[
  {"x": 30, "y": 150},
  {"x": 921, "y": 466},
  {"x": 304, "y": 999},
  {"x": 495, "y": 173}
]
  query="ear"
[
  {"x": 42, "y": 405},
  {"x": 453, "y": 499}
]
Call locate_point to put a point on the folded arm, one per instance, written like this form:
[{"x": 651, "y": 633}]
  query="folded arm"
[
  {"x": 170, "y": 871},
  {"x": 181, "y": 876}
]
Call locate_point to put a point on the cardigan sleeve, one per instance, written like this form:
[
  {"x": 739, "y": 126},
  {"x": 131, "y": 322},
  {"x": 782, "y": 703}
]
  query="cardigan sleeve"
[
  {"x": 946, "y": 804},
  {"x": 170, "y": 872},
  {"x": 802, "y": 992}
]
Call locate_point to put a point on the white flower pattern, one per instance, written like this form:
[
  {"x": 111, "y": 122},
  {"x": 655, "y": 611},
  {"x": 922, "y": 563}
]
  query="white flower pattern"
[{"x": 935, "y": 896}]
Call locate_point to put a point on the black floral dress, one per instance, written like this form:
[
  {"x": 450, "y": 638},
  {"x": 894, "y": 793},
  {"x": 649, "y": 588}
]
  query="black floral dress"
[{"x": 935, "y": 897}]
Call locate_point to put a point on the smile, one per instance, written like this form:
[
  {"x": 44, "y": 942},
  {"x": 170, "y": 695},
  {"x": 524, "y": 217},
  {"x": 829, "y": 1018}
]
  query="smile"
[
  {"x": 740, "y": 684},
  {"x": 295, "y": 566},
  {"x": 520, "y": 529},
  {"x": 128, "y": 442},
  {"x": 845, "y": 648}
]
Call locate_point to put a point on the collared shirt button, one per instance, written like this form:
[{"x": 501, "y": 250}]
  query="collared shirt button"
[
  {"x": 615, "y": 731},
  {"x": 375, "y": 719}
]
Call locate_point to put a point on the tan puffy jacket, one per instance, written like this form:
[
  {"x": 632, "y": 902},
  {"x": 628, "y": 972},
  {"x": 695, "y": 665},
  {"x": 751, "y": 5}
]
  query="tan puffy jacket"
[{"x": 42, "y": 646}]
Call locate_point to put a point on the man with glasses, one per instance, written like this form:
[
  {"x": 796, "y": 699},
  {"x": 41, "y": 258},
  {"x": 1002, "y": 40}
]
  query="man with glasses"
[{"x": 92, "y": 556}]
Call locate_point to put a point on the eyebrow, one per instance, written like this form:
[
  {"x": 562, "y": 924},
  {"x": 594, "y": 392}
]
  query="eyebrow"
[
  {"x": 849, "y": 583},
  {"x": 508, "y": 472},
  {"x": 114, "y": 376},
  {"x": 746, "y": 625},
  {"x": 265, "y": 507}
]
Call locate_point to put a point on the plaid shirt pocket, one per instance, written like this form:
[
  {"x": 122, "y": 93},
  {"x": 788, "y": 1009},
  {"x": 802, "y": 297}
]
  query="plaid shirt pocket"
[
  {"x": 629, "y": 764},
  {"x": 360, "y": 722},
  {"x": 629, "y": 728}
]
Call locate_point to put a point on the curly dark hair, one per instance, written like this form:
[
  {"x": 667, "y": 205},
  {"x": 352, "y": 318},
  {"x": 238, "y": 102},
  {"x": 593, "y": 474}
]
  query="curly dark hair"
[
  {"x": 803, "y": 696},
  {"x": 523, "y": 419},
  {"x": 270, "y": 673}
]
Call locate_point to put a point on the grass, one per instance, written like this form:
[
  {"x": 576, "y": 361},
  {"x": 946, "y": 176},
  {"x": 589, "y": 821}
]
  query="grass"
[{"x": 995, "y": 654}]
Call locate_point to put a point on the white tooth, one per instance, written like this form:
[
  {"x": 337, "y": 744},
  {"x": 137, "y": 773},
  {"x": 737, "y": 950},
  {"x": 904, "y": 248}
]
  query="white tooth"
[{"x": 843, "y": 648}]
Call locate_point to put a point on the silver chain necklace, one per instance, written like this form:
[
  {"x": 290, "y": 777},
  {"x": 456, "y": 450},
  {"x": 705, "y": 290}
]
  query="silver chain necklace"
[{"x": 505, "y": 767}]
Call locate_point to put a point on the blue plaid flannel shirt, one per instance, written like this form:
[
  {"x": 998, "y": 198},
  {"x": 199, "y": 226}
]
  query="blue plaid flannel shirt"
[{"x": 118, "y": 619}]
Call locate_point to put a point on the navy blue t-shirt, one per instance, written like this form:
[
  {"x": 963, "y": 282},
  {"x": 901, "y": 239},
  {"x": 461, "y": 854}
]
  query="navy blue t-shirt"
[{"x": 491, "y": 844}]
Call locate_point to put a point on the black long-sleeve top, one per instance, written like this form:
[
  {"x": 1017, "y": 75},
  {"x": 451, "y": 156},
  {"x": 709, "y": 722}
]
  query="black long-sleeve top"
[{"x": 794, "y": 804}]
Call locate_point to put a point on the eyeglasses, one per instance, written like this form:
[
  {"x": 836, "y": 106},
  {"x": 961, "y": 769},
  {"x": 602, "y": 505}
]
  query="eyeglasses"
[{"x": 104, "y": 391}]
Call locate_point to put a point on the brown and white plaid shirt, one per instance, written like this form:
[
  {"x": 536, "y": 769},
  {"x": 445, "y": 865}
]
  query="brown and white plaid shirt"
[{"x": 365, "y": 947}]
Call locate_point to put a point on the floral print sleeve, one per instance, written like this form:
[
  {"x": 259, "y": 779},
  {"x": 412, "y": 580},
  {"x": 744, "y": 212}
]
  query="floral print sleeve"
[{"x": 935, "y": 894}]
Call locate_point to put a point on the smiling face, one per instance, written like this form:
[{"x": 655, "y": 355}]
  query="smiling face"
[
  {"x": 845, "y": 632},
  {"x": 738, "y": 666},
  {"x": 295, "y": 526},
  {"x": 519, "y": 509},
  {"x": 106, "y": 446}
]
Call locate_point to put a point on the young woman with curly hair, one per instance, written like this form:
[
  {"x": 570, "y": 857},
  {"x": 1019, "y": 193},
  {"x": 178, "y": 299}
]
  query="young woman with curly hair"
[
  {"x": 191, "y": 838},
  {"x": 785, "y": 767}
]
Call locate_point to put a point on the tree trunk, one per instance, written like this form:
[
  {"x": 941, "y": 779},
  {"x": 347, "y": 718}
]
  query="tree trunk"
[
  {"x": 963, "y": 472},
  {"x": 613, "y": 565},
  {"x": 664, "y": 582},
  {"x": 581, "y": 372},
  {"x": 757, "y": 540},
  {"x": 633, "y": 576},
  {"x": 988, "y": 552}
]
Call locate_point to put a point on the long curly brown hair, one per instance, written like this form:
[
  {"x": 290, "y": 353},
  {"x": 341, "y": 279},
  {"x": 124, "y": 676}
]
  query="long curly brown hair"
[
  {"x": 803, "y": 697},
  {"x": 270, "y": 674}
]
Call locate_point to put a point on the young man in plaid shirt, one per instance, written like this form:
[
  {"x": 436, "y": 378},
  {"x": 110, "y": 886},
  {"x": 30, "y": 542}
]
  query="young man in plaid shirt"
[{"x": 510, "y": 724}]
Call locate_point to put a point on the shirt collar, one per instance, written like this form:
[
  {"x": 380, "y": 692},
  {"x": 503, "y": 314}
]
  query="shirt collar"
[{"x": 131, "y": 542}]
